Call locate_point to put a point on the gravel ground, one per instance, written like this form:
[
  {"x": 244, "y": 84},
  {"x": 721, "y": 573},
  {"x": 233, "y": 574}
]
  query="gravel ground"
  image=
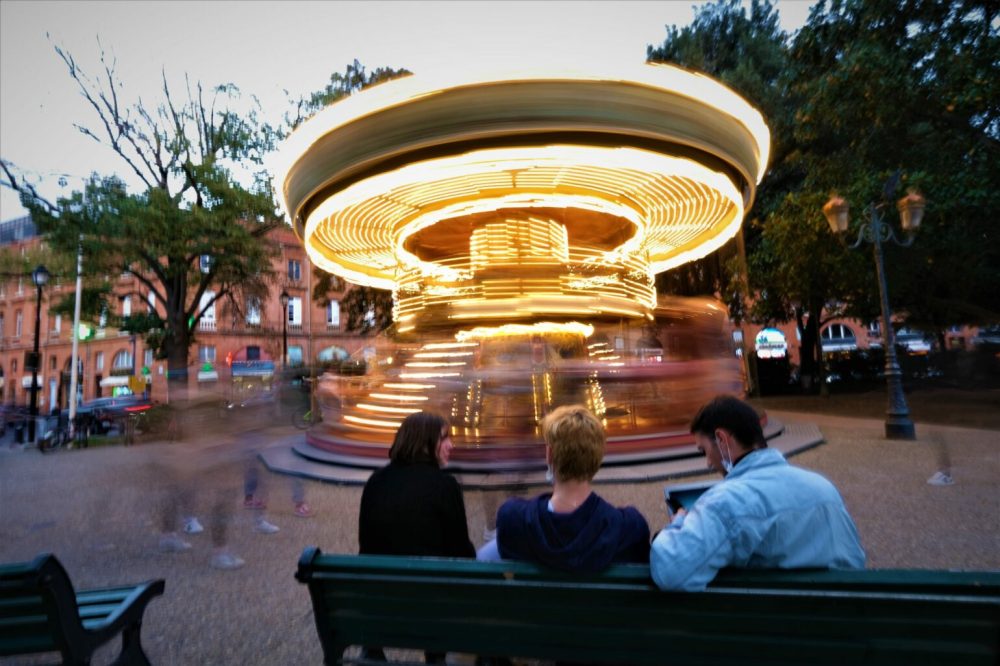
[{"x": 98, "y": 509}]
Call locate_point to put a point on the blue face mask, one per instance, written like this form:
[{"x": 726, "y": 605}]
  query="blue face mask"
[{"x": 727, "y": 459}]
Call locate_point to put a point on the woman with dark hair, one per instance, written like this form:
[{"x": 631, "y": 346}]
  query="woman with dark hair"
[{"x": 410, "y": 506}]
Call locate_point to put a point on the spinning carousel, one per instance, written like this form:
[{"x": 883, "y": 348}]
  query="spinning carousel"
[{"x": 519, "y": 221}]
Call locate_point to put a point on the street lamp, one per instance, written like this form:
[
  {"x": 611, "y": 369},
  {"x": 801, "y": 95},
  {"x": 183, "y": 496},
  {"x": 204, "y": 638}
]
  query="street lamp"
[
  {"x": 40, "y": 276},
  {"x": 284, "y": 329},
  {"x": 876, "y": 230}
]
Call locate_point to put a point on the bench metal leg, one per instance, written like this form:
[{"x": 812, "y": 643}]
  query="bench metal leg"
[{"x": 132, "y": 654}]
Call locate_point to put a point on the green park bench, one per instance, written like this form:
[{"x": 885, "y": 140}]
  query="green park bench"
[
  {"x": 40, "y": 612},
  {"x": 745, "y": 617}
]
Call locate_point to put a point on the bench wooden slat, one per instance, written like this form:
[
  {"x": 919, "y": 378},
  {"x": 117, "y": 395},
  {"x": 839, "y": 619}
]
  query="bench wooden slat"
[{"x": 518, "y": 609}]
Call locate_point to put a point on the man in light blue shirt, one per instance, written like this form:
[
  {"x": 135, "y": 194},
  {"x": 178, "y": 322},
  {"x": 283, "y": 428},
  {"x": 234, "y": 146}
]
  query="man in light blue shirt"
[{"x": 764, "y": 514}]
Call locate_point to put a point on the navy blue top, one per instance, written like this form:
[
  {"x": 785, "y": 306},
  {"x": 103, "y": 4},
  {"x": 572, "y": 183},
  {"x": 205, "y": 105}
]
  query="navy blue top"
[{"x": 588, "y": 540}]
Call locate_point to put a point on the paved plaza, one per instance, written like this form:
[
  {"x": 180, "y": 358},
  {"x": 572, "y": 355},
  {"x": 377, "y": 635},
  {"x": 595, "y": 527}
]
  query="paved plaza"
[{"x": 97, "y": 511}]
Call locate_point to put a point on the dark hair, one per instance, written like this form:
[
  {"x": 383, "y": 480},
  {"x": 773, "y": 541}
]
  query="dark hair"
[
  {"x": 734, "y": 415},
  {"x": 417, "y": 438}
]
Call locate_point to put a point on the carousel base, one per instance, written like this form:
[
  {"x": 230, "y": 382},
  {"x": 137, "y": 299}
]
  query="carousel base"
[{"x": 296, "y": 457}]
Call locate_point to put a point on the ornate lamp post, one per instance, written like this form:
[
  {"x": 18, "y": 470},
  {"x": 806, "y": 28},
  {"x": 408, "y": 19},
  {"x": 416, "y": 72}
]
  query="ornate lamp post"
[
  {"x": 876, "y": 230},
  {"x": 40, "y": 276},
  {"x": 284, "y": 329}
]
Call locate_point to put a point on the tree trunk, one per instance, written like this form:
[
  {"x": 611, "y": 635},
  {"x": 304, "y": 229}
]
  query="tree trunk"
[
  {"x": 815, "y": 312},
  {"x": 177, "y": 342},
  {"x": 807, "y": 350}
]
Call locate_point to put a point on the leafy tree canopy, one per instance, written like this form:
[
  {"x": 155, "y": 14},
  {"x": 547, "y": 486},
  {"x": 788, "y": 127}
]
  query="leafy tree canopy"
[
  {"x": 864, "y": 89},
  {"x": 194, "y": 229}
]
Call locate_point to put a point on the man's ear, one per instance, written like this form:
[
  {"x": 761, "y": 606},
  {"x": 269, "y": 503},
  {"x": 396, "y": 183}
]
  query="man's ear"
[{"x": 725, "y": 438}]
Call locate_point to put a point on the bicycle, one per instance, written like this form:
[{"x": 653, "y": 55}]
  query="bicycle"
[
  {"x": 55, "y": 437},
  {"x": 304, "y": 417}
]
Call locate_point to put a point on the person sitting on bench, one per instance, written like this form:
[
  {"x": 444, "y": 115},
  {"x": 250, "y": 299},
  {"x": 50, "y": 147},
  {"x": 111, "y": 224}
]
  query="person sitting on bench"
[
  {"x": 571, "y": 528},
  {"x": 764, "y": 514},
  {"x": 411, "y": 506}
]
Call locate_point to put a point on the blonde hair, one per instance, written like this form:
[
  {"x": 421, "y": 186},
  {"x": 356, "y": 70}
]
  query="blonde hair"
[{"x": 576, "y": 439}]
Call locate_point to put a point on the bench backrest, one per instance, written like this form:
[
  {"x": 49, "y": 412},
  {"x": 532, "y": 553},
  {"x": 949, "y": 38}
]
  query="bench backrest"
[
  {"x": 37, "y": 607},
  {"x": 619, "y": 616}
]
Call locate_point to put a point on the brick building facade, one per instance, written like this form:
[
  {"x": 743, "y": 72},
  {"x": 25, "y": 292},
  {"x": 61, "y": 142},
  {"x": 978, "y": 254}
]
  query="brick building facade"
[{"x": 315, "y": 330}]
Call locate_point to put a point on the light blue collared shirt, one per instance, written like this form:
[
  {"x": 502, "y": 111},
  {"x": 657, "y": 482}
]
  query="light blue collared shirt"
[{"x": 765, "y": 514}]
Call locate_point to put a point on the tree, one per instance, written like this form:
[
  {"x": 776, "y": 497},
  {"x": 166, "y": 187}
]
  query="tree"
[
  {"x": 900, "y": 84},
  {"x": 194, "y": 235},
  {"x": 863, "y": 90},
  {"x": 368, "y": 309}
]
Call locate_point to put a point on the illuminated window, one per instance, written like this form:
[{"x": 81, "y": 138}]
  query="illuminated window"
[
  {"x": 123, "y": 360},
  {"x": 333, "y": 314},
  {"x": 295, "y": 311},
  {"x": 207, "y": 306},
  {"x": 253, "y": 311}
]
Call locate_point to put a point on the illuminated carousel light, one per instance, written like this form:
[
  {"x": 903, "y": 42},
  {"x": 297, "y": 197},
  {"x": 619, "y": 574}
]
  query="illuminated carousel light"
[
  {"x": 540, "y": 328},
  {"x": 401, "y": 398},
  {"x": 517, "y": 214}
]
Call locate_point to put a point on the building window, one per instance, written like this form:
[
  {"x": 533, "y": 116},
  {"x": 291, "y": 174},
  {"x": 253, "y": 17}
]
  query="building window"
[
  {"x": 52, "y": 363},
  {"x": 253, "y": 353},
  {"x": 102, "y": 321},
  {"x": 123, "y": 360},
  {"x": 875, "y": 329},
  {"x": 253, "y": 311},
  {"x": 57, "y": 323},
  {"x": 1, "y": 324},
  {"x": 295, "y": 311},
  {"x": 126, "y": 306},
  {"x": 147, "y": 358},
  {"x": 205, "y": 263},
  {"x": 99, "y": 361},
  {"x": 294, "y": 270},
  {"x": 206, "y": 353},
  {"x": 20, "y": 286},
  {"x": 333, "y": 314},
  {"x": 294, "y": 355},
  {"x": 150, "y": 302},
  {"x": 18, "y": 323},
  {"x": 207, "y": 306},
  {"x": 837, "y": 331},
  {"x": 13, "y": 365}
]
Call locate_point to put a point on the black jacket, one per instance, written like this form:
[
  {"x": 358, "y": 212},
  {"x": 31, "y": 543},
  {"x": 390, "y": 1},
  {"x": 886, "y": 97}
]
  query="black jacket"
[{"x": 413, "y": 510}]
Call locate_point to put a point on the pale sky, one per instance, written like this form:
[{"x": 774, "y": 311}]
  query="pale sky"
[{"x": 267, "y": 47}]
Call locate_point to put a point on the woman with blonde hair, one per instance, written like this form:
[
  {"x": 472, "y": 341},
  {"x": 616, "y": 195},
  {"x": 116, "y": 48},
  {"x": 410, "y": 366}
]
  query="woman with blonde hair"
[{"x": 571, "y": 528}]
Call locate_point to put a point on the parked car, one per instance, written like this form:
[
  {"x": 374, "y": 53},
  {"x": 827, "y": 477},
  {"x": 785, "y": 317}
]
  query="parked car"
[{"x": 103, "y": 412}]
